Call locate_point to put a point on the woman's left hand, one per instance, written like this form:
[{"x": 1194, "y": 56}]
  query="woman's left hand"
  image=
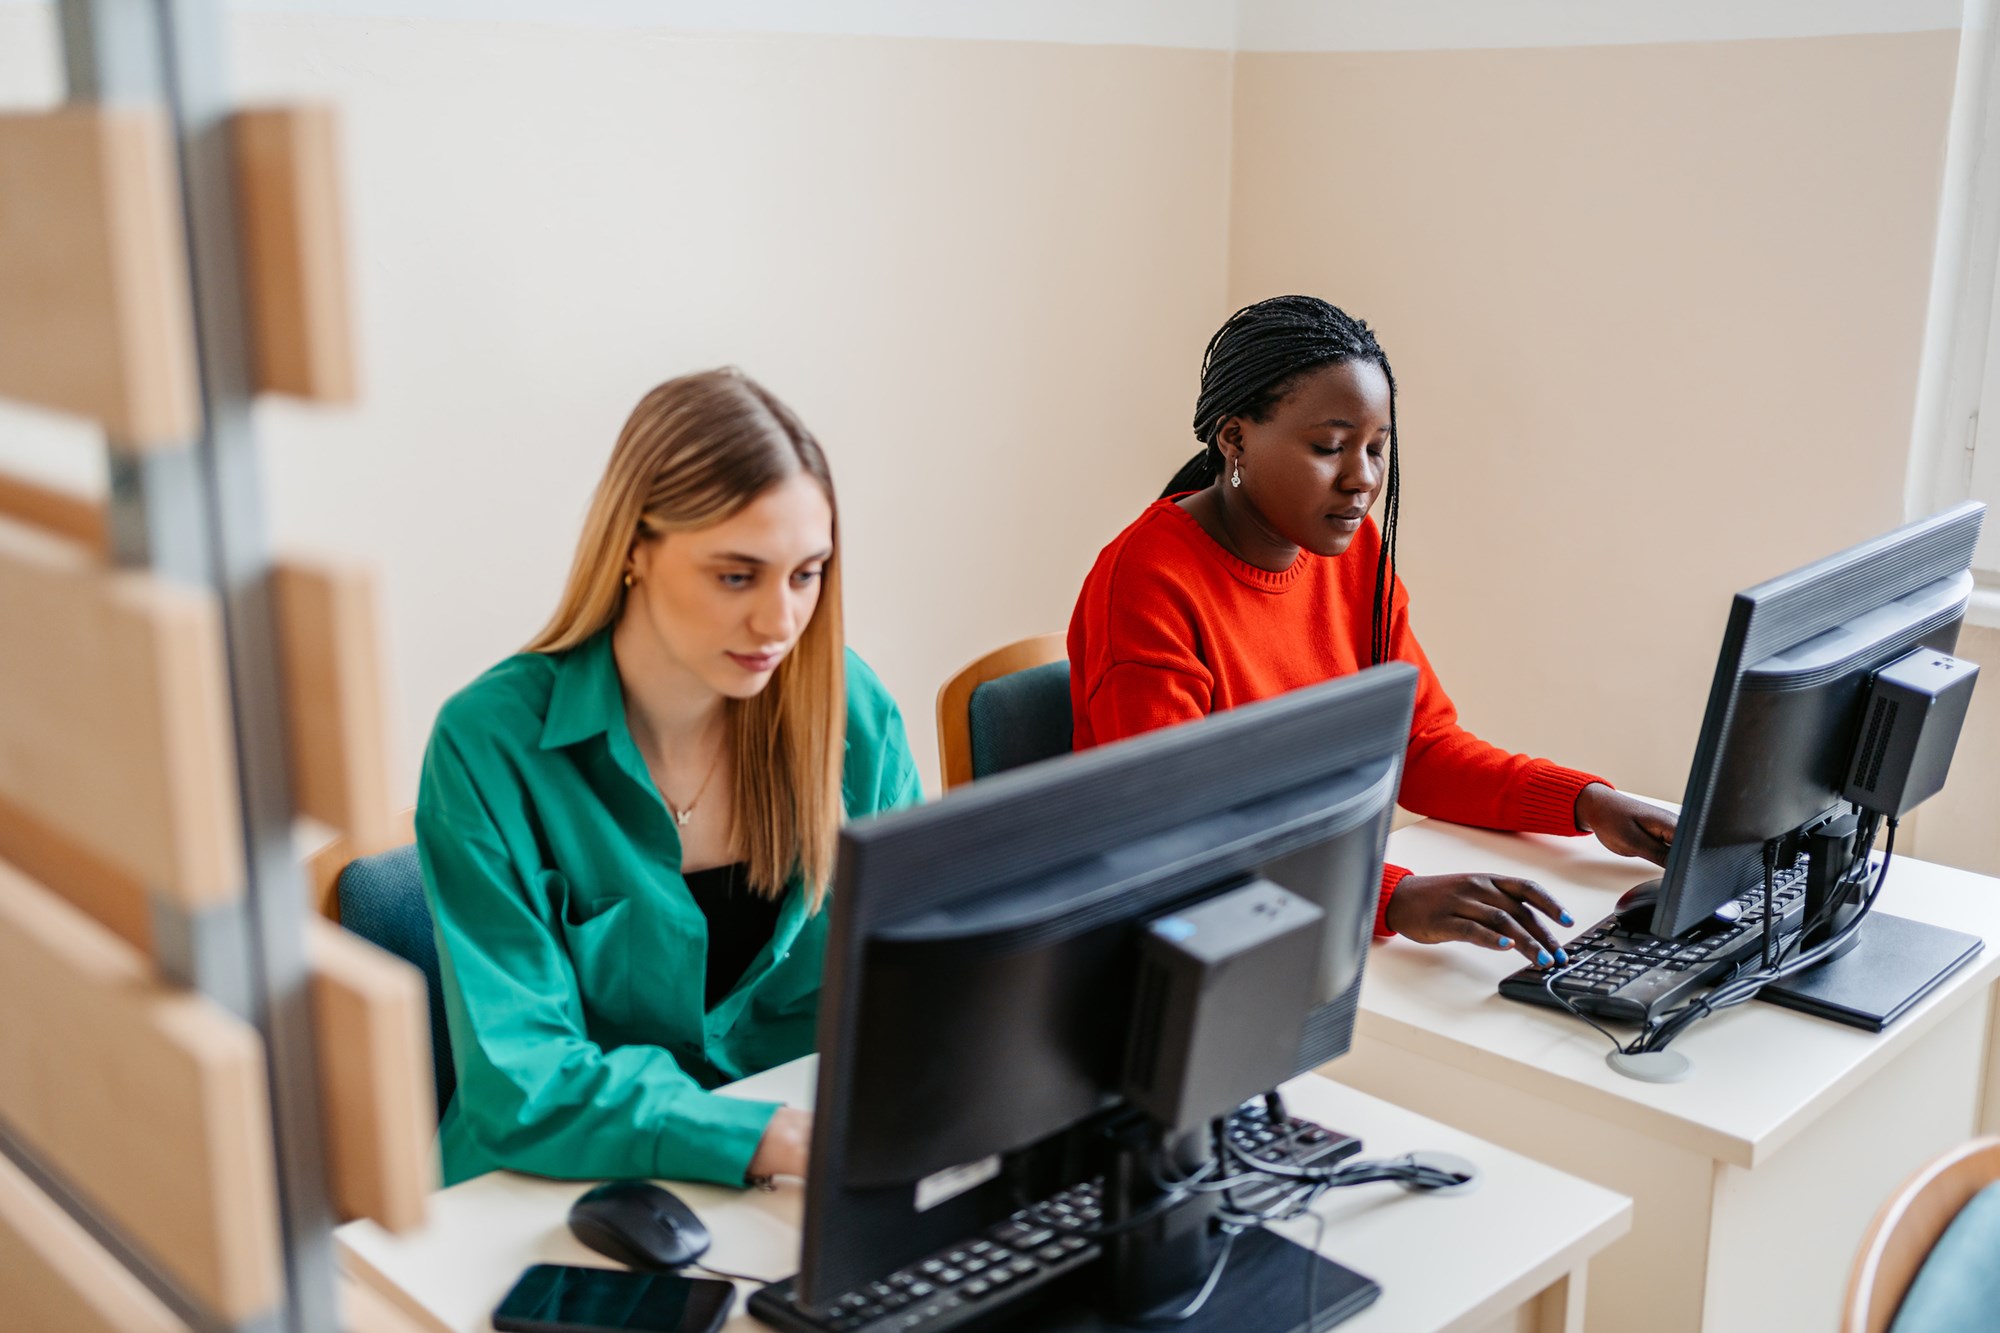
[{"x": 1625, "y": 824}]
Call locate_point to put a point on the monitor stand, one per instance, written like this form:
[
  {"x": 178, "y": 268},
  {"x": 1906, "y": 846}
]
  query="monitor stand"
[
  {"x": 1893, "y": 963},
  {"x": 1886, "y": 966},
  {"x": 1263, "y": 1290}
]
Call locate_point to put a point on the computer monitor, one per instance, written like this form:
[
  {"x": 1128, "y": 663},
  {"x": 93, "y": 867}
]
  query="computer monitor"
[
  {"x": 984, "y": 1030},
  {"x": 1773, "y": 765}
]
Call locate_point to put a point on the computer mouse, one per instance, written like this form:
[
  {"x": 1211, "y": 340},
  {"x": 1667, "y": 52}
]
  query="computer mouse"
[
  {"x": 1635, "y": 907},
  {"x": 639, "y": 1224},
  {"x": 1635, "y": 912}
]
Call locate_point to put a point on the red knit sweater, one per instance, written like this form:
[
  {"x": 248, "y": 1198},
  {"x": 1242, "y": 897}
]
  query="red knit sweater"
[{"x": 1170, "y": 627}]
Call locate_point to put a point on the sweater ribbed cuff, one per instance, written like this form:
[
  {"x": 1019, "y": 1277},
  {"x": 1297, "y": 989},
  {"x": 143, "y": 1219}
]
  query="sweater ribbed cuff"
[
  {"x": 1548, "y": 799},
  {"x": 1391, "y": 877}
]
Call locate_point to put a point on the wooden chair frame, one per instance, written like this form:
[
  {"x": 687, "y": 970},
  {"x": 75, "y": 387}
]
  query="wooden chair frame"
[
  {"x": 954, "y": 701},
  {"x": 1908, "y": 1227}
]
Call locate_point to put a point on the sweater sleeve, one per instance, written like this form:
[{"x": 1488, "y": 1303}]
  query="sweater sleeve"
[
  {"x": 535, "y": 1091},
  {"x": 1131, "y": 698}
]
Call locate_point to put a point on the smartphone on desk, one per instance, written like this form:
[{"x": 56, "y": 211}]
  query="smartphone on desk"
[{"x": 555, "y": 1298}]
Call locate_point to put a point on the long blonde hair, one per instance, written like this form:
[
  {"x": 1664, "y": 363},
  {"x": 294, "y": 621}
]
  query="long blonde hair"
[{"x": 695, "y": 451}]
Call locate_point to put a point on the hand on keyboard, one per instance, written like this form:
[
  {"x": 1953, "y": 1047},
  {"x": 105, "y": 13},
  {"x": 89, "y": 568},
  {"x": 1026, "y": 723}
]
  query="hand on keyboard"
[{"x": 1493, "y": 911}]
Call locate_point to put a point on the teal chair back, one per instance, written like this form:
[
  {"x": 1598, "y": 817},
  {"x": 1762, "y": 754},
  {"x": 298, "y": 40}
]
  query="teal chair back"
[
  {"x": 1930, "y": 1262},
  {"x": 382, "y": 900},
  {"x": 1019, "y": 718},
  {"x": 1007, "y": 708},
  {"x": 1958, "y": 1288}
]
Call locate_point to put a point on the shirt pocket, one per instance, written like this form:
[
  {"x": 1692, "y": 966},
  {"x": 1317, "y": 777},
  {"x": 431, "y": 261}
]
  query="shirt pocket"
[{"x": 597, "y": 936}]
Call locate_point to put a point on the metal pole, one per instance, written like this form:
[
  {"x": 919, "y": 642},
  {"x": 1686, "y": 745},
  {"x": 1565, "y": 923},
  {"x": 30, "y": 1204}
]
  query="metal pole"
[{"x": 196, "y": 514}]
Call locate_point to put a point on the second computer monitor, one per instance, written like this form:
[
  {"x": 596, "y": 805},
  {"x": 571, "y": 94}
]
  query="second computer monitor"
[
  {"x": 984, "y": 952},
  {"x": 1784, "y": 709}
]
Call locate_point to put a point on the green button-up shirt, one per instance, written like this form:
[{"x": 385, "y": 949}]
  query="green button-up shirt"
[{"x": 573, "y": 953}]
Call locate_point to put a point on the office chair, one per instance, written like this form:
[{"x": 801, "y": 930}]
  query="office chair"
[
  {"x": 1008, "y": 708},
  {"x": 1930, "y": 1262},
  {"x": 381, "y": 899}
]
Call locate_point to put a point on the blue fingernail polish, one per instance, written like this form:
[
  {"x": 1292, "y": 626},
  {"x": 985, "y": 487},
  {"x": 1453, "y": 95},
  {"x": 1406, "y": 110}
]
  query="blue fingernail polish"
[
  {"x": 1567, "y": 919},
  {"x": 1542, "y": 957},
  {"x": 1505, "y": 943},
  {"x": 1562, "y": 956}
]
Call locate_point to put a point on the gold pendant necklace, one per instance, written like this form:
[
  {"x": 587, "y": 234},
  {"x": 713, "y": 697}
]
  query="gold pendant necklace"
[{"x": 681, "y": 817}]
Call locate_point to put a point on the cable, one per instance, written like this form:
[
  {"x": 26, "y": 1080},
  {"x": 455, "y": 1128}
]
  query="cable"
[
  {"x": 1312, "y": 1273},
  {"x": 1355, "y": 1171},
  {"x": 1193, "y": 1307},
  {"x": 1549, "y": 980},
  {"x": 1743, "y": 987},
  {"x": 728, "y": 1276},
  {"x": 1770, "y": 902}
]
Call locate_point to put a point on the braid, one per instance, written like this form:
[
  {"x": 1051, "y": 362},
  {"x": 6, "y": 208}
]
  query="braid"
[
  {"x": 1382, "y": 630},
  {"x": 1250, "y": 364}
]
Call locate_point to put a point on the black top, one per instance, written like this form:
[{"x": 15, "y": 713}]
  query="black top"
[{"x": 740, "y": 924}]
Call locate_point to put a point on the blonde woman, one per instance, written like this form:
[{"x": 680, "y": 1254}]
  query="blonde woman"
[{"x": 627, "y": 830}]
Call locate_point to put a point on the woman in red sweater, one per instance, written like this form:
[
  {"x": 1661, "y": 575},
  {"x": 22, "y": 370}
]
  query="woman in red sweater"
[{"x": 1259, "y": 571}]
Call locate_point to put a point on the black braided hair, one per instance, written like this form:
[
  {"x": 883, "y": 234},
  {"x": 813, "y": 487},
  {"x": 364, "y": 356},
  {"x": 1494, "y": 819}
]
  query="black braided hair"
[{"x": 1251, "y": 363}]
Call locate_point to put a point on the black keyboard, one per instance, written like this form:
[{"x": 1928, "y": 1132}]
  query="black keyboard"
[
  {"x": 1292, "y": 1141},
  {"x": 1630, "y": 977},
  {"x": 958, "y": 1284},
  {"x": 1032, "y": 1248}
]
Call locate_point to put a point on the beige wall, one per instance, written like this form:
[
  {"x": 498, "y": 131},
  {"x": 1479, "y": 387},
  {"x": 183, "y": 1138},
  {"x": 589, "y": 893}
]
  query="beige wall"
[
  {"x": 1656, "y": 311},
  {"x": 982, "y": 271},
  {"x": 1656, "y": 314}
]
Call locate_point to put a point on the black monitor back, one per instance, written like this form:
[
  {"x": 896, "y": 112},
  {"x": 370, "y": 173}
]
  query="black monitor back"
[
  {"x": 980, "y": 961},
  {"x": 1784, "y": 708}
]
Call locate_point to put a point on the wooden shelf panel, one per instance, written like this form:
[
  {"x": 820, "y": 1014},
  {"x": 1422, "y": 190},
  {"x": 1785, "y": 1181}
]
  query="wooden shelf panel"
[
  {"x": 114, "y": 722},
  {"x": 148, "y": 1101},
  {"x": 93, "y": 275}
]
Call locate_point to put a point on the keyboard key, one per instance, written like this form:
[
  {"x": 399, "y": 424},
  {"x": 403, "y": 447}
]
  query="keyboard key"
[
  {"x": 1048, "y": 1254},
  {"x": 1021, "y": 1267},
  {"x": 954, "y": 1276},
  {"x": 976, "y": 1288}
]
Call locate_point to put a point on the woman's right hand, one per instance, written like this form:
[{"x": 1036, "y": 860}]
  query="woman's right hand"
[
  {"x": 1493, "y": 911},
  {"x": 786, "y": 1144}
]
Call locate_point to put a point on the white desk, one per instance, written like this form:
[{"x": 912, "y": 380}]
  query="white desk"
[
  {"x": 1508, "y": 1257},
  {"x": 1754, "y": 1179}
]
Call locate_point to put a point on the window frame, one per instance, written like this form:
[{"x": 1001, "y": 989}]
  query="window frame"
[{"x": 1955, "y": 446}]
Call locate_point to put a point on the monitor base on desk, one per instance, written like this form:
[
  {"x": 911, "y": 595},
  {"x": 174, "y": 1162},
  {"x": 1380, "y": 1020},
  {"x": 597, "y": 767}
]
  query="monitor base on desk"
[
  {"x": 1263, "y": 1290},
  {"x": 1895, "y": 963}
]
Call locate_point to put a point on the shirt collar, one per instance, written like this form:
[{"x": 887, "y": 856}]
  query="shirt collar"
[{"x": 587, "y": 700}]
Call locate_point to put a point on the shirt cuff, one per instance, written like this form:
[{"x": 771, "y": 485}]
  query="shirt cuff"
[
  {"x": 728, "y": 1131},
  {"x": 1548, "y": 799},
  {"x": 1391, "y": 877}
]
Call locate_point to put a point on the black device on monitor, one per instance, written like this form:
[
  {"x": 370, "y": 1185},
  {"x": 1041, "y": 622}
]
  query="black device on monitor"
[
  {"x": 1836, "y": 704},
  {"x": 1046, "y": 994}
]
